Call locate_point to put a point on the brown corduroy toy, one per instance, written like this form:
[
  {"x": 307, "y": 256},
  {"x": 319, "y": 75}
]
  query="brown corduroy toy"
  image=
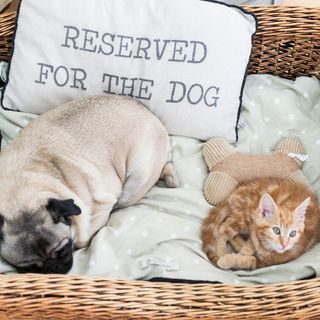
[{"x": 228, "y": 168}]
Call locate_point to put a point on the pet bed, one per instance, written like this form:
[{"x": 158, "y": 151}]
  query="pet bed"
[
  {"x": 159, "y": 236},
  {"x": 80, "y": 297}
]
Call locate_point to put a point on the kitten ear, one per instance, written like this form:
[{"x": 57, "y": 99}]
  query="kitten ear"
[
  {"x": 267, "y": 205},
  {"x": 302, "y": 209}
]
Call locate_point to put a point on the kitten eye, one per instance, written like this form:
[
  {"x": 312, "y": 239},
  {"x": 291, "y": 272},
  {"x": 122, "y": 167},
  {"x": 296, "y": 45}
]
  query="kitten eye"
[
  {"x": 276, "y": 230},
  {"x": 293, "y": 233}
]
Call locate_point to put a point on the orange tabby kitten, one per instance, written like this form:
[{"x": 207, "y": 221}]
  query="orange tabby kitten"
[{"x": 263, "y": 222}]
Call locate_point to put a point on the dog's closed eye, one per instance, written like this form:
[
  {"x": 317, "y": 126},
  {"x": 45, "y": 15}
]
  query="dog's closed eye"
[{"x": 28, "y": 264}]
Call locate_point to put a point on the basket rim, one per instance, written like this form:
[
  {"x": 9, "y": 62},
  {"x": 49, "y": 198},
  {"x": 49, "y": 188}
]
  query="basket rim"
[
  {"x": 81, "y": 297},
  {"x": 35, "y": 293},
  {"x": 7, "y": 17},
  {"x": 52, "y": 278}
]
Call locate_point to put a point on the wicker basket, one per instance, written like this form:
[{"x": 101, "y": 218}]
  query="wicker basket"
[{"x": 287, "y": 44}]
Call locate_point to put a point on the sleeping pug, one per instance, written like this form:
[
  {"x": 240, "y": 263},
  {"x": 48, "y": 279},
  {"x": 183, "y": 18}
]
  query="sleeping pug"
[{"x": 65, "y": 172}]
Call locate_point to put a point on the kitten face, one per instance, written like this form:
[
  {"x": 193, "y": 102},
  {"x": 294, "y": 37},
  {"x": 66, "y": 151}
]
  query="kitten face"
[
  {"x": 282, "y": 227},
  {"x": 284, "y": 237}
]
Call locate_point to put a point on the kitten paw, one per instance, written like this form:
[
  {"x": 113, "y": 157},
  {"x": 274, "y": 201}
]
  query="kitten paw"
[
  {"x": 236, "y": 261},
  {"x": 226, "y": 262}
]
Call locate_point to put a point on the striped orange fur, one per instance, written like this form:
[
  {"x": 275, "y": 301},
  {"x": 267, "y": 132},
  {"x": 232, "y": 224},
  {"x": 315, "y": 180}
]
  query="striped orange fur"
[{"x": 264, "y": 222}]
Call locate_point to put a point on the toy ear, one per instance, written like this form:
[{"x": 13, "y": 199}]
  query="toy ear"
[
  {"x": 302, "y": 209},
  {"x": 267, "y": 205},
  {"x": 62, "y": 208},
  {"x": 215, "y": 150}
]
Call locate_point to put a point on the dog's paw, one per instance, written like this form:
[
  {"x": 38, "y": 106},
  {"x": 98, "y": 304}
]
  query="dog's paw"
[{"x": 169, "y": 175}]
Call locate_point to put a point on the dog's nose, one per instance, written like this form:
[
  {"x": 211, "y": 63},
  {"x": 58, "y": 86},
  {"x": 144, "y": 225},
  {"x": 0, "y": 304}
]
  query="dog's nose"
[
  {"x": 62, "y": 263},
  {"x": 56, "y": 266},
  {"x": 64, "y": 251}
]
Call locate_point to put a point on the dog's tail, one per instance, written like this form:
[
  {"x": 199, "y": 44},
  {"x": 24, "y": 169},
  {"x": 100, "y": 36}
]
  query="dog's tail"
[{"x": 169, "y": 175}]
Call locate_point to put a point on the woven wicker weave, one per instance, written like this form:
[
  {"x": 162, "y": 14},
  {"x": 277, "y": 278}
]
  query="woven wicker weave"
[{"x": 287, "y": 44}]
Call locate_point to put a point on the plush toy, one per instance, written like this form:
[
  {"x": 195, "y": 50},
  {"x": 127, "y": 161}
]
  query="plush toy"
[{"x": 228, "y": 168}]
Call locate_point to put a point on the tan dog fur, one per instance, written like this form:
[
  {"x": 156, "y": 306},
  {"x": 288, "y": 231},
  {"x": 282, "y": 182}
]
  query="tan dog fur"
[{"x": 100, "y": 151}]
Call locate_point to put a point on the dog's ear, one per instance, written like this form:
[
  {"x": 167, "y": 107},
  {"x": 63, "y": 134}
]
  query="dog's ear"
[{"x": 60, "y": 209}]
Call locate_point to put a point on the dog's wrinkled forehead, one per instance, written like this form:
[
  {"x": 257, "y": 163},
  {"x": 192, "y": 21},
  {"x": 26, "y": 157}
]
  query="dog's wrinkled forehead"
[
  {"x": 27, "y": 222},
  {"x": 28, "y": 230},
  {"x": 30, "y": 243},
  {"x": 30, "y": 236}
]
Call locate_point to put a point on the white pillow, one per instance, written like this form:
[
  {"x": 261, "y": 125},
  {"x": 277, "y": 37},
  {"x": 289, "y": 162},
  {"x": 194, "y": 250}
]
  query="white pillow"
[{"x": 185, "y": 60}]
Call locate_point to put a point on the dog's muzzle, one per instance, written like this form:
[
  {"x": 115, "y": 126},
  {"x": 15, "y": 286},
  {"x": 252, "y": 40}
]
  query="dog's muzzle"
[{"x": 62, "y": 264}]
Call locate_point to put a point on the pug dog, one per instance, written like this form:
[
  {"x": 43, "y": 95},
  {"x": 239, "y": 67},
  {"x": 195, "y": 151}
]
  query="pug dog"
[{"x": 68, "y": 169}]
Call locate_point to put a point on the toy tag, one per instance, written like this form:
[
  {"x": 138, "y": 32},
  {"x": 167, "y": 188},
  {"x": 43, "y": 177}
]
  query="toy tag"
[
  {"x": 300, "y": 156},
  {"x": 168, "y": 265},
  {"x": 242, "y": 124}
]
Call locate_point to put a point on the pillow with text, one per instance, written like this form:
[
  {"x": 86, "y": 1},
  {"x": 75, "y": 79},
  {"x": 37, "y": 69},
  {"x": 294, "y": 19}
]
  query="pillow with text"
[{"x": 186, "y": 60}]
